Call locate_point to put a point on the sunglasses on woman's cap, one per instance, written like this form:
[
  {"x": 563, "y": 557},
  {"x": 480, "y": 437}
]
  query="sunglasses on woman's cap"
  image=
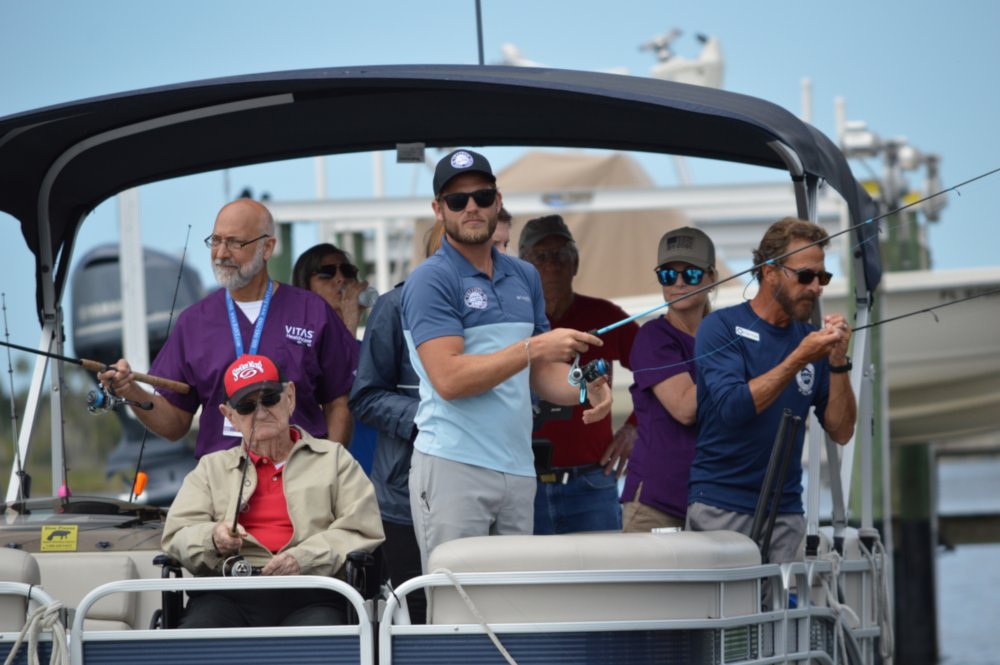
[
  {"x": 807, "y": 275},
  {"x": 456, "y": 202},
  {"x": 267, "y": 398},
  {"x": 668, "y": 276},
  {"x": 329, "y": 271}
]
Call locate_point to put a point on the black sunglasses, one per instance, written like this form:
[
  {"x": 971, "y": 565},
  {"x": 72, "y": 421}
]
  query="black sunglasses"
[
  {"x": 267, "y": 398},
  {"x": 456, "y": 202},
  {"x": 668, "y": 276},
  {"x": 807, "y": 275},
  {"x": 329, "y": 271}
]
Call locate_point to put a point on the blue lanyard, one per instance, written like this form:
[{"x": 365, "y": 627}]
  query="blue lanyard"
[{"x": 258, "y": 328}]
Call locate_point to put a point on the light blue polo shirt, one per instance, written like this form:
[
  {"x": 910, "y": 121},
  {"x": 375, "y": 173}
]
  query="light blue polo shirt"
[{"x": 445, "y": 297}]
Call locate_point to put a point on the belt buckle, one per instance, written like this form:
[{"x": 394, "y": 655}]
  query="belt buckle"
[{"x": 547, "y": 477}]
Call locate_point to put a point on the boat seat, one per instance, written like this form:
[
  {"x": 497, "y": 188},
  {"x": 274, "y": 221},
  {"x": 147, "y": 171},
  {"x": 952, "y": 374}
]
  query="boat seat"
[
  {"x": 16, "y": 566},
  {"x": 603, "y": 599},
  {"x": 69, "y": 576}
]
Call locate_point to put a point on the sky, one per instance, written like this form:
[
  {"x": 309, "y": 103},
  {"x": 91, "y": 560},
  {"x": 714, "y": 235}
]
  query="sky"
[{"x": 908, "y": 68}]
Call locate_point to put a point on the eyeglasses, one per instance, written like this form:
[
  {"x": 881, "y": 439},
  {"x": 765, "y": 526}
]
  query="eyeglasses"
[
  {"x": 807, "y": 275},
  {"x": 329, "y": 271},
  {"x": 561, "y": 256},
  {"x": 668, "y": 276},
  {"x": 231, "y": 243},
  {"x": 267, "y": 398},
  {"x": 456, "y": 202}
]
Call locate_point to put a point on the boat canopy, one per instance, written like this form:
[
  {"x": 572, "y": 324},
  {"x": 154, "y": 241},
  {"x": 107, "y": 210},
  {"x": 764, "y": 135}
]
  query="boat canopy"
[{"x": 58, "y": 163}]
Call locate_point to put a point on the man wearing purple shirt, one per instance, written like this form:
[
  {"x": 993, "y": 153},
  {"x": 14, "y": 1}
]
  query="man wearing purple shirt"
[{"x": 251, "y": 314}]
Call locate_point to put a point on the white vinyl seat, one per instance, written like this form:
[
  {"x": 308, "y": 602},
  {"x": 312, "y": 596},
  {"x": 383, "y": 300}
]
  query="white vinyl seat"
[{"x": 69, "y": 577}]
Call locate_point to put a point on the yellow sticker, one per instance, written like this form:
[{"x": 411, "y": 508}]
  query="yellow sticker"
[{"x": 59, "y": 537}]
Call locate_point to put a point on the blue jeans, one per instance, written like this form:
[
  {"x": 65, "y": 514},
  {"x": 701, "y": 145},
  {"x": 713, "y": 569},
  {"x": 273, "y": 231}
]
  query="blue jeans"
[{"x": 586, "y": 503}]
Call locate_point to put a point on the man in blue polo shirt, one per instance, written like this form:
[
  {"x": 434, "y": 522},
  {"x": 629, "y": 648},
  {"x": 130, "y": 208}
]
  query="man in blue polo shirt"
[{"x": 474, "y": 322}]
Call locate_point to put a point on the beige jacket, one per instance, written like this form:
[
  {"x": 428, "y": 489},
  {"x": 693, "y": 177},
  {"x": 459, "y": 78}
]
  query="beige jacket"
[{"x": 331, "y": 504}]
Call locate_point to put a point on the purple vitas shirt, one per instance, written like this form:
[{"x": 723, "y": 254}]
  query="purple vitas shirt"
[{"x": 302, "y": 335}]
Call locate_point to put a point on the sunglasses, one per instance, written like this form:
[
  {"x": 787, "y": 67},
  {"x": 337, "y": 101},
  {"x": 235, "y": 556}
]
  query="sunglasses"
[
  {"x": 456, "y": 202},
  {"x": 807, "y": 275},
  {"x": 329, "y": 271},
  {"x": 267, "y": 398},
  {"x": 668, "y": 276},
  {"x": 561, "y": 256}
]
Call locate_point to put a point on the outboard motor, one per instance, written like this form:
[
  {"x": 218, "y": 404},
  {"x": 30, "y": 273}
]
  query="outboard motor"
[{"x": 97, "y": 333}]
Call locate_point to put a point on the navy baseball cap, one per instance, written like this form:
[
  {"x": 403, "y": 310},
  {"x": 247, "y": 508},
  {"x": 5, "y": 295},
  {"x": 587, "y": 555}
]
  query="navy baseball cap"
[{"x": 457, "y": 163}]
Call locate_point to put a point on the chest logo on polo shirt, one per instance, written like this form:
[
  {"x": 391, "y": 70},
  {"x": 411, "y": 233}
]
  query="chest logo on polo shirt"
[
  {"x": 805, "y": 378},
  {"x": 475, "y": 298},
  {"x": 301, "y": 336}
]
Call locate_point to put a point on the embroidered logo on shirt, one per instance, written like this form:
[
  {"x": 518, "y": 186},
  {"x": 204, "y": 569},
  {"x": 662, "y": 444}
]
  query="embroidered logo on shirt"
[
  {"x": 523, "y": 297},
  {"x": 301, "y": 336},
  {"x": 751, "y": 335},
  {"x": 476, "y": 298},
  {"x": 805, "y": 379}
]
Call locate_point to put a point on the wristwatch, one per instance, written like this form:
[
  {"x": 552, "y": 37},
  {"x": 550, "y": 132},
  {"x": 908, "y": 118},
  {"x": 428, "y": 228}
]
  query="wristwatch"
[{"x": 841, "y": 369}]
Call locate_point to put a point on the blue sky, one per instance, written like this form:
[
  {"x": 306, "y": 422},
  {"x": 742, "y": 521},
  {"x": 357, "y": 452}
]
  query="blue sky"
[{"x": 910, "y": 69}]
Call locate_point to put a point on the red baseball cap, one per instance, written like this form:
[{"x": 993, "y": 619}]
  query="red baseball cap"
[{"x": 248, "y": 374}]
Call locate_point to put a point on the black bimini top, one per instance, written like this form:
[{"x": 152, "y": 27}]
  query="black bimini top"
[{"x": 62, "y": 161}]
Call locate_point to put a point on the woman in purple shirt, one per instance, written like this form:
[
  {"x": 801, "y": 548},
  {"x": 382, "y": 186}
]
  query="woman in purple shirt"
[{"x": 663, "y": 393}]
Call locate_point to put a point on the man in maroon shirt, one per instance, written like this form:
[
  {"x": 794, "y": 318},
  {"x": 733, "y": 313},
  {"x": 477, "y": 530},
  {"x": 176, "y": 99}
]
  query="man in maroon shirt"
[{"x": 579, "y": 489}]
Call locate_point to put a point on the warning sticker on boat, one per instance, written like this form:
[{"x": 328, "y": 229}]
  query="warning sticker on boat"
[{"x": 59, "y": 537}]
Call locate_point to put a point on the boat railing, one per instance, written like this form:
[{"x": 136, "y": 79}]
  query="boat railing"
[{"x": 300, "y": 644}]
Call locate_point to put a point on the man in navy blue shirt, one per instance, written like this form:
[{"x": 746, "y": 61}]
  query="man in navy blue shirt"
[
  {"x": 754, "y": 361},
  {"x": 474, "y": 321}
]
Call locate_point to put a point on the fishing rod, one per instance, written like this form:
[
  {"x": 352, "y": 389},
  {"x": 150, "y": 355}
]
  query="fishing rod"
[
  {"x": 140, "y": 478},
  {"x": 95, "y": 366},
  {"x": 237, "y": 565},
  {"x": 773, "y": 260},
  {"x": 929, "y": 310},
  {"x": 24, "y": 484}
]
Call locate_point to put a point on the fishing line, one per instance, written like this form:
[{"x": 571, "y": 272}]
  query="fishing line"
[
  {"x": 170, "y": 322},
  {"x": 775, "y": 259}
]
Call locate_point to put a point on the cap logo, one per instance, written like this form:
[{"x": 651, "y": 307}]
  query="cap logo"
[
  {"x": 680, "y": 242},
  {"x": 461, "y": 160},
  {"x": 247, "y": 370}
]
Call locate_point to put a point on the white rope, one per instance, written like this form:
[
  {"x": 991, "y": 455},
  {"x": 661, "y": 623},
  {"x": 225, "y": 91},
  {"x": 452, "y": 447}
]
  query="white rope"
[
  {"x": 475, "y": 612},
  {"x": 840, "y": 609},
  {"x": 880, "y": 596},
  {"x": 43, "y": 618}
]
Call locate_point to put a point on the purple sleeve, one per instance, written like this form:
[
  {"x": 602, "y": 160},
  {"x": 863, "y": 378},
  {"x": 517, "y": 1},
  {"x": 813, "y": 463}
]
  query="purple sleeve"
[{"x": 657, "y": 355}]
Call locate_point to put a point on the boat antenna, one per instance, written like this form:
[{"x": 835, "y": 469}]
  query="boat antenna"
[
  {"x": 479, "y": 30},
  {"x": 24, "y": 484},
  {"x": 140, "y": 477}
]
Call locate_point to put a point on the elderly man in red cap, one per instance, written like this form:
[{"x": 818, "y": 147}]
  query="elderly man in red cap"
[{"x": 305, "y": 505}]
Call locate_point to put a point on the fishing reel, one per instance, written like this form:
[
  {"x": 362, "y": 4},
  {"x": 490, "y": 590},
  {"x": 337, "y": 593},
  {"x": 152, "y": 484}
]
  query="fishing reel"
[
  {"x": 237, "y": 566},
  {"x": 103, "y": 400},
  {"x": 581, "y": 376}
]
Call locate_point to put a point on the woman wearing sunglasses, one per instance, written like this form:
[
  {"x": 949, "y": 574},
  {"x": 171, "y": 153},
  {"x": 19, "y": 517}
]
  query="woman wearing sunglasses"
[
  {"x": 663, "y": 393},
  {"x": 327, "y": 270}
]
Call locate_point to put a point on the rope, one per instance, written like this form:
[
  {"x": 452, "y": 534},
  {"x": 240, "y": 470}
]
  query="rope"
[
  {"x": 44, "y": 618},
  {"x": 475, "y": 612},
  {"x": 880, "y": 595}
]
